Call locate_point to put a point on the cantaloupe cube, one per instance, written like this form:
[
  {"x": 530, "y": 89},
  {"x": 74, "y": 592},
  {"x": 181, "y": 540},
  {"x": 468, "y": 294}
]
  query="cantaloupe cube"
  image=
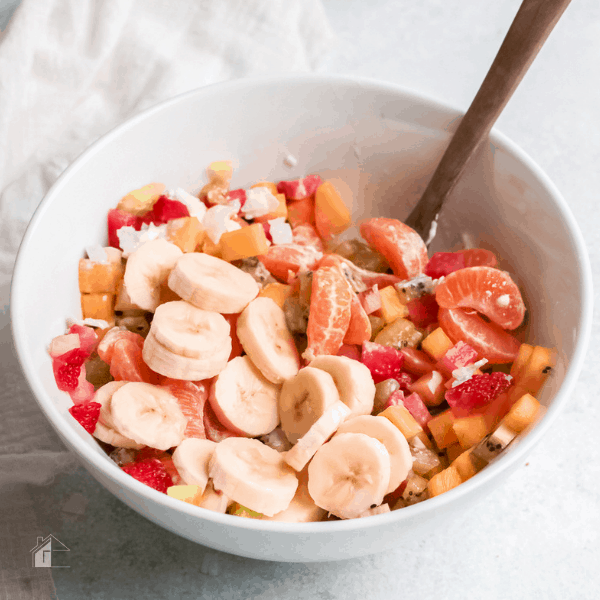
[
  {"x": 280, "y": 211},
  {"x": 187, "y": 493},
  {"x": 453, "y": 451},
  {"x": 220, "y": 170},
  {"x": 442, "y": 482},
  {"x": 99, "y": 278},
  {"x": 441, "y": 429},
  {"x": 186, "y": 233},
  {"x": 209, "y": 247},
  {"x": 278, "y": 292},
  {"x": 140, "y": 201},
  {"x": 522, "y": 413},
  {"x": 536, "y": 369},
  {"x": 331, "y": 214},
  {"x": 470, "y": 430},
  {"x": 123, "y": 301},
  {"x": 403, "y": 420},
  {"x": 523, "y": 356},
  {"x": 467, "y": 465},
  {"x": 272, "y": 187},
  {"x": 98, "y": 306},
  {"x": 436, "y": 344},
  {"x": 391, "y": 307},
  {"x": 244, "y": 243}
]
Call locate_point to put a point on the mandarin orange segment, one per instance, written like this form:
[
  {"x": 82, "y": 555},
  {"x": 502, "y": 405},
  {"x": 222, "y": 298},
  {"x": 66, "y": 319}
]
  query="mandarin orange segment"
[
  {"x": 191, "y": 397},
  {"x": 359, "y": 328},
  {"x": 487, "y": 290},
  {"x": 301, "y": 211},
  {"x": 331, "y": 214},
  {"x": 488, "y": 339},
  {"x": 127, "y": 364},
  {"x": 330, "y": 311},
  {"x": 306, "y": 235},
  {"x": 244, "y": 243},
  {"x": 284, "y": 262},
  {"x": 401, "y": 245}
]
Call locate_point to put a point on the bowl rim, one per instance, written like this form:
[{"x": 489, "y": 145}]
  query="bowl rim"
[{"x": 111, "y": 471}]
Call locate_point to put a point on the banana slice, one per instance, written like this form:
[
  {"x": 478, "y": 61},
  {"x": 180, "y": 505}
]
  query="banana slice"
[
  {"x": 353, "y": 381},
  {"x": 213, "y": 500},
  {"x": 243, "y": 400},
  {"x": 149, "y": 415},
  {"x": 391, "y": 437},
  {"x": 253, "y": 474},
  {"x": 105, "y": 428},
  {"x": 163, "y": 361},
  {"x": 303, "y": 399},
  {"x": 265, "y": 337},
  {"x": 325, "y": 426},
  {"x": 349, "y": 474},
  {"x": 212, "y": 284},
  {"x": 189, "y": 331},
  {"x": 302, "y": 508},
  {"x": 191, "y": 460},
  {"x": 147, "y": 270}
]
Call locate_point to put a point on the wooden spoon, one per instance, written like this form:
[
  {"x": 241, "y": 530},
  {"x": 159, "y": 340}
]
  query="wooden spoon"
[{"x": 529, "y": 30}]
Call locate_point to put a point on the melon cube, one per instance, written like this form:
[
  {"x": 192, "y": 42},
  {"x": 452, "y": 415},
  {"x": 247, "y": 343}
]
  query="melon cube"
[
  {"x": 522, "y": 413},
  {"x": 391, "y": 307},
  {"x": 536, "y": 369},
  {"x": 209, "y": 247},
  {"x": 442, "y": 482},
  {"x": 99, "y": 278},
  {"x": 436, "y": 344},
  {"x": 278, "y": 292},
  {"x": 331, "y": 214},
  {"x": 186, "y": 233},
  {"x": 522, "y": 358},
  {"x": 403, "y": 420},
  {"x": 244, "y": 243},
  {"x": 467, "y": 464},
  {"x": 441, "y": 429},
  {"x": 470, "y": 430},
  {"x": 98, "y": 306},
  {"x": 453, "y": 451}
]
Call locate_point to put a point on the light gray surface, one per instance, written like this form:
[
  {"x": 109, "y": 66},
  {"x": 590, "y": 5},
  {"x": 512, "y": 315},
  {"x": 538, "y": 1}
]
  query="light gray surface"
[{"x": 538, "y": 536}]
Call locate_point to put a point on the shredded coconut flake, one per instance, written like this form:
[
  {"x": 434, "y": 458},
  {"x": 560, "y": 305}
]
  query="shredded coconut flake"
[
  {"x": 503, "y": 300},
  {"x": 259, "y": 202},
  {"x": 463, "y": 374},
  {"x": 97, "y": 253},
  {"x": 290, "y": 160},
  {"x": 130, "y": 239},
  {"x": 195, "y": 207},
  {"x": 98, "y": 323},
  {"x": 280, "y": 231},
  {"x": 218, "y": 220},
  {"x": 434, "y": 382}
]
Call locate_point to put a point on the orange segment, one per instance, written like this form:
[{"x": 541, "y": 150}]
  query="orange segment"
[
  {"x": 191, "y": 398},
  {"x": 126, "y": 362},
  {"x": 487, "y": 290},
  {"x": 359, "y": 328},
  {"x": 186, "y": 233},
  {"x": 331, "y": 214},
  {"x": 284, "y": 261},
  {"x": 401, "y": 245},
  {"x": 306, "y": 235},
  {"x": 330, "y": 310},
  {"x": 244, "y": 243},
  {"x": 301, "y": 211},
  {"x": 488, "y": 339}
]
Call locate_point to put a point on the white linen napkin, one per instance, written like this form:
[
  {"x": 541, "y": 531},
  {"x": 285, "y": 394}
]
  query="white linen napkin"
[{"x": 70, "y": 70}]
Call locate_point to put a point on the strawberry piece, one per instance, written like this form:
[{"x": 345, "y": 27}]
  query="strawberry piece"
[
  {"x": 416, "y": 362},
  {"x": 444, "y": 263},
  {"x": 476, "y": 392},
  {"x": 384, "y": 362},
  {"x": 460, "y": 355},
  {"x": 117, "y": 219},
  {"x": 85, "y": 391},
  {"x": 394, "y": 399},
  {"x": 370, "y": 299},
  {"x": 394, "y": 496},
  {"x": 86, "y": 415},
  {"x": 267, "y": 227},
  {"x": 423, "y": 311},
  {"x": 165, "y": 458},
  {"x": 236, "y": 345},
  {"x": 150, "y": 471},
  {"x": 88, "y": 338},
  {"x": 298, "y": 189},
  {"x": 67, "y": 368},
  {"x": 350, "y": 350},
  {"x": 165, "y": 210},
  {"x": 237, "y": 195},
  {"x": 405, "y": 381},
  {"x": 416, "y": 407}
]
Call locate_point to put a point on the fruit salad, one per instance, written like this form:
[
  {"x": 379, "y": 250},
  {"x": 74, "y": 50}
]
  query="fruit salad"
[{"x": 237, "y": 354}]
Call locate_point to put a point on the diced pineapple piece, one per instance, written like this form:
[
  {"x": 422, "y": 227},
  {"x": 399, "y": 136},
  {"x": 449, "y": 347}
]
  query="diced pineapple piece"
[
  {"x": 244, "y": 243},
  {"x": 188, "y": 493},
  {"x": 99, "y": 278},
  {"x": 403, "y": 420},
  {"x": 140, "y": 201},
  {"x": 537, "y": 369},
  {"x": 242, "y": 511},
  {"x": 391, "y": 307},
  {"x": 331, "y": 214},
  {"x": 98, "y": 306},
  {"x": 522, "y": 413},
  {"x": 441, "y": 429},
  {"x": 220, "y": 169},
  {"x": 272, "y": 187},
  {"x": 467, "y": 465},
  {"x": 187, "y": 233},
  {"x": 442, "y": 482},
  {"x": 523, "y": 356},
  {"x": 470, "y": 430},
  {"x": 280, "y": 211},
  {"x": 436, "y": 344},
  {"x": 278, "y": 292},
  {"x": 402, "y": 333}
]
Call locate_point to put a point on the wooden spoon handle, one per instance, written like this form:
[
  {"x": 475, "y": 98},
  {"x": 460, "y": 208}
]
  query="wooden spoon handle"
[{"x": 529, "y": 30}]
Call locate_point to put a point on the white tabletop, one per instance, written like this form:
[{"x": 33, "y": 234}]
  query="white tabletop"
[{"x": 538, "y": 535}]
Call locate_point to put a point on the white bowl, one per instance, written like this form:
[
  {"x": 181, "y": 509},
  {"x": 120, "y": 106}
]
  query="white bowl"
[{"x": 383, "y": 142}]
